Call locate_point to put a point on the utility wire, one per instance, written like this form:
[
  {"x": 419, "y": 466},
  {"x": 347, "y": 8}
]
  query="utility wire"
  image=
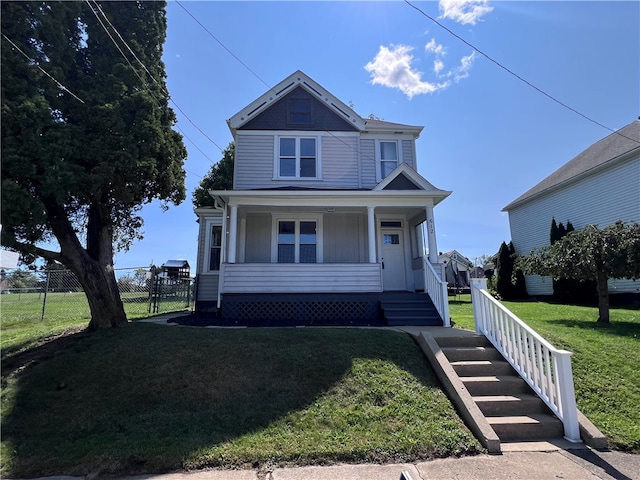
[
  {"x": 539, "y": 90},
  {"x": 163, "y": 89},
  {"x": 33, "y": 62},
  {"x": 223, "y": 45}
]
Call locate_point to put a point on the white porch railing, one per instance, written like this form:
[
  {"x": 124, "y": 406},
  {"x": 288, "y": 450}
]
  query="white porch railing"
[
  {"x": 437, "y": 290},
  {"x": 546, "y": 369}
]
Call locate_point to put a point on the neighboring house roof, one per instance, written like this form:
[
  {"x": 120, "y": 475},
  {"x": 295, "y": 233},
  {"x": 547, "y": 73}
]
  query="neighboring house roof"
[
  {"x": 459, "y": 258},
  {"x": 611, "y": 149}
]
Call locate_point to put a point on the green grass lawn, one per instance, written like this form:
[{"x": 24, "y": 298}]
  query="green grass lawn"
[
  {"x": 605, "y": 361},
  {"x": 149, "y": 398},
  {"x": 23, "y": 325}
]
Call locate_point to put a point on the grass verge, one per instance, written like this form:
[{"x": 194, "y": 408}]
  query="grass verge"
[
  {"x": 605, "y": 359},
  {"x": 149, "y": 398}
]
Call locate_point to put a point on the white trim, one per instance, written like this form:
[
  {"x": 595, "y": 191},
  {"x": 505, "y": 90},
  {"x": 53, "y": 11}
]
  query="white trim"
[{"x": 297, "y": 217}]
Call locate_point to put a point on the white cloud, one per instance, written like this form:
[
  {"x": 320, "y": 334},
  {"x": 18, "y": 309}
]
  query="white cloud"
[
  {"x": 392, "y": 68},
  {"x": 434, "y": 47},
  {"x": 464, "y": 11},
  {"x": 465, "y": 65}
]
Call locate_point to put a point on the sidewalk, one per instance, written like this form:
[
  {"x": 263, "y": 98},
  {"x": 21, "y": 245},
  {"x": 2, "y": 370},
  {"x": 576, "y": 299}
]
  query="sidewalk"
[{"x": 580, "y": 464}]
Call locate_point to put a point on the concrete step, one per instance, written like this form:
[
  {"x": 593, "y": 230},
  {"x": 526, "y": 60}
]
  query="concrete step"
[
  {"x": 526, "y": 427},
  {"x": 409, "y": 320},
  {"x": 454, "y": 354},
  {"x": 476, "y": 368},
  {"x": 495, "y": 385},
  {"x": 466, "y": 341},
  {"x": 516, "y": 404}
]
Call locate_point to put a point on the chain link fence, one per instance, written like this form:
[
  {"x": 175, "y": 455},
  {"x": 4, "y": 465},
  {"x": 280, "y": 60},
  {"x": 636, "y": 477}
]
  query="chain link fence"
[{"x": 56, "y": 294}]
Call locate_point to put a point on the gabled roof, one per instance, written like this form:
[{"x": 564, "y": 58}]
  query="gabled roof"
[
  {"x": 413, "y": 180},
  {"x": 611, "y": 149},
  {"x": 300, "y": 79},
  {"x": 297, "y": 79}
]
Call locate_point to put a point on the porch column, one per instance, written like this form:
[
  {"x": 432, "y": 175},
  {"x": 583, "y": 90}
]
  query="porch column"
[
  {"x": 371, "y": 226},
  {"x": 431, "y": 236},
  {"x": 233, "y": 233}
]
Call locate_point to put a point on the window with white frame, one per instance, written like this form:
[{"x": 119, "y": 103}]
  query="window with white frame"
[
  {"x": 297, "y": 157},
  {"x": 215, "y": 248},
  {"x": 297, "y": 238},
  {"x": 297, "y": 241},
  {"x": 387, "y": 156}
]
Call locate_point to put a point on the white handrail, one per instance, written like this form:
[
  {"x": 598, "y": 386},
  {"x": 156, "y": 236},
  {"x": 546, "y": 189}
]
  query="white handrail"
[
  {"x": 545, "y": 368},
  {"x": 436, "y": 288}
]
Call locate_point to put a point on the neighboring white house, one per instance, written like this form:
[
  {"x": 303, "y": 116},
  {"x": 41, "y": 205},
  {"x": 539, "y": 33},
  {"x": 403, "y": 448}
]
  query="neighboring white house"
[
  {"x": 324, "y": 202},
  {"x": 458, "y": 269},
  {"x": 599, "y": 186}
]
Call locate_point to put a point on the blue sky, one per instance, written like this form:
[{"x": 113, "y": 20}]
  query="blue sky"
[{"x": 488, "y": 136}]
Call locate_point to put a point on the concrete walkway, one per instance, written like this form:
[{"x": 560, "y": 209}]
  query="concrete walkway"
[{"x": 582, "y": 464}]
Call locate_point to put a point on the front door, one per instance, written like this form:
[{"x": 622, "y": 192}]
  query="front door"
[{"x": 393, "y": 262}]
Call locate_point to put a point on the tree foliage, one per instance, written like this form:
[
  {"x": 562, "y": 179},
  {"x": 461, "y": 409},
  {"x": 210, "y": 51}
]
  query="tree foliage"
[
  {"x": 570, "y": 290},
  {"x": 220, "y": 177},
  {"x": 83, "y": 153},
  {"x": 510, "y": 283},
  {"x": 591, "y": 253}
]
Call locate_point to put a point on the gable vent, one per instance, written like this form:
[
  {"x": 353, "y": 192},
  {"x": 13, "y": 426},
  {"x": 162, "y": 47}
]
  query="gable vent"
[
  {"x": 340, "y": 110},
  {"x": 257, "y": 108},
  {"x": 314, "y": 90},
  {"x": 284, "y": 88}
]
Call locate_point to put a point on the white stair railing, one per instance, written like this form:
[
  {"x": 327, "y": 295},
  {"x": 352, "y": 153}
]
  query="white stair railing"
[
  {"x": 545, "y": 368},
  {"x": 436, "y": 288}
]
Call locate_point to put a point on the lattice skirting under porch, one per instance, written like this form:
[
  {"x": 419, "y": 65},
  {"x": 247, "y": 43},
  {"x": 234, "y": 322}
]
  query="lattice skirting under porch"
[{"x": 302, "y": 308}]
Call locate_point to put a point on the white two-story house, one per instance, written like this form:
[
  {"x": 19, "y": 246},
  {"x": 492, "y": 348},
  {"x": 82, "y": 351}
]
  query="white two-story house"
[{"x": 327, "y": 214}]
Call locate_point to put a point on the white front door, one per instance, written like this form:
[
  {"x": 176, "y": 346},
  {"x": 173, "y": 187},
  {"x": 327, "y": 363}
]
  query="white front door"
[{"x": 393, "y": 268}]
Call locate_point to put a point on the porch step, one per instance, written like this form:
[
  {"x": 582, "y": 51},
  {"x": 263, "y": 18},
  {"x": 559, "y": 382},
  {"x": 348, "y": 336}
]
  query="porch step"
[
  {"x": 506, "y": 401},
  {"x": 409, "y": 309}
]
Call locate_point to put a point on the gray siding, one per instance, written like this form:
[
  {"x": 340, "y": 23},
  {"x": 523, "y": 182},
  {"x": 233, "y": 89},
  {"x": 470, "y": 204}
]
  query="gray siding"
[
  {"x": 254, "y": 162},
  {"x": 340, "y": 161},
  {"x": 208, "y": 287},
  {"x": 368, "y": 162},
  {"x": 602, "y": 199},
  {"x": 408, "y": 153},
  {"x": 258, "y": 238},
  {"x": 345, "y": 238}
]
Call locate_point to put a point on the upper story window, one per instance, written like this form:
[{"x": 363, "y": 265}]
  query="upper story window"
[
  {"x": 300, "y": 111},
  {"x": 387, "y": 156},
  {"x": 297, "y": 157}
]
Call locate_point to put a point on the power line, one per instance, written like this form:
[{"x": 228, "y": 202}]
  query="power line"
[
  {"x": 500, "y": 65},
  {"x": 163, "y": 89},
  {"x": 33, "y": 62},
  {"x": 223, "y": 45}
]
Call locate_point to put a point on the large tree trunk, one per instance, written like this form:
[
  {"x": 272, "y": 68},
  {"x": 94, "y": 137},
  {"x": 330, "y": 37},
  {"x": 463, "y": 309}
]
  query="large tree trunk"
[
  {"x": 603, "y": 297},
  {"x": 92, "y": 266},
  {"x": 100, "y": 286}
]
